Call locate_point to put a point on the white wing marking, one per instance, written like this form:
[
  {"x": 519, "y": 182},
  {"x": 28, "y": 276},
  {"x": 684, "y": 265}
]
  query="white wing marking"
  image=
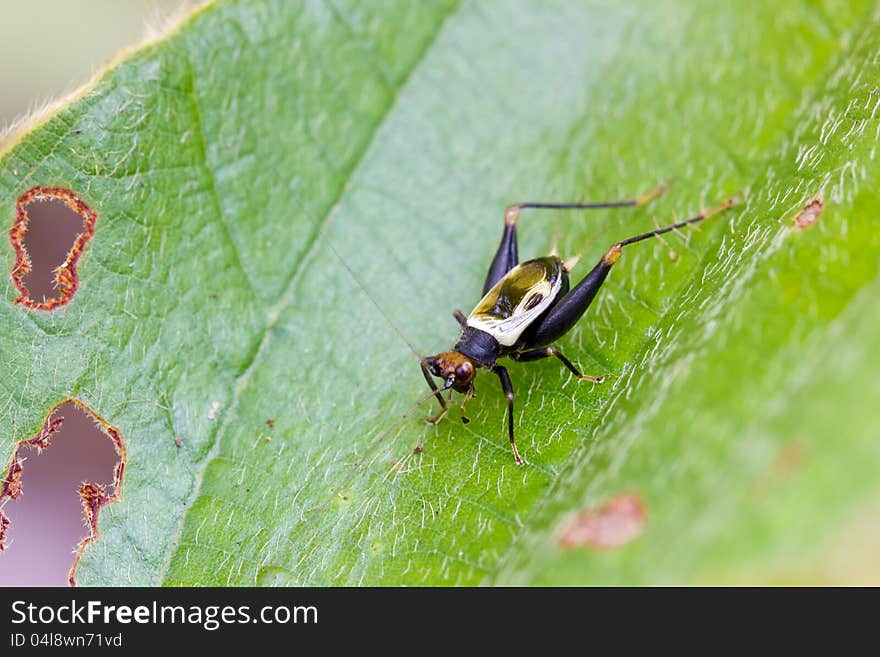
[{"x": 508, "y": 330}]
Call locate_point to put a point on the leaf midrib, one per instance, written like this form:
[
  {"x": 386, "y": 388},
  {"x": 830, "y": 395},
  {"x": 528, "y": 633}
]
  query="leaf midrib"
[{"x": 275, "y": 310}]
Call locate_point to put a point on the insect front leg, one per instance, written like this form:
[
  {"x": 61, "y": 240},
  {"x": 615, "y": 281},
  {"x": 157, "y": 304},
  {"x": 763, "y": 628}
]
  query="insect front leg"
[
  {"x": 467, "y": 397},
  {"x": 553, "y": 352},
  {"x": 507, "y": 387},
  {"x": 443, "y": 407}
]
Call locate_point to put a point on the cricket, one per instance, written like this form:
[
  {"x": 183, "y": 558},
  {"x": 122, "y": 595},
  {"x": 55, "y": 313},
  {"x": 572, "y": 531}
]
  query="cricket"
[{"x": 528, "y": 306}]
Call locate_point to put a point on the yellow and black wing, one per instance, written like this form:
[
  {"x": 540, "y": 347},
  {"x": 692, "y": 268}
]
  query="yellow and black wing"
[{"x": 518, "y": 299}]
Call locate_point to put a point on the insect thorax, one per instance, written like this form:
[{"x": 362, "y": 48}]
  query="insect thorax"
[{"x": 479, "y": 346}]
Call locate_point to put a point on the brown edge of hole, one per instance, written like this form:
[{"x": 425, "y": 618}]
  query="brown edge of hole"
[
  {"x": 93, "y": 496},
  {"x": 66, "y": 278}
]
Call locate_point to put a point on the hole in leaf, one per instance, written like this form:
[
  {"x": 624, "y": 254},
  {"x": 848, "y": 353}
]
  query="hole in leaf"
[
  {"x": 52, "y": 226},
  {"x": 57, "y": 483}
]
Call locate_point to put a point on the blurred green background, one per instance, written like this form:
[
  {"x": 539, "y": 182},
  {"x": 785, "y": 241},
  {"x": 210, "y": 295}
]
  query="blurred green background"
[{"x": 50, "y": 47}]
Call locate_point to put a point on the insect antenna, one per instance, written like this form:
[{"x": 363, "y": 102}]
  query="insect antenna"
[
  {"x": 409, "y": 412},
  {"x": 729, "y": 203},
  {"x": 374, "y": 443},
  {"x": 370, "y": 451},
  {"x": 372, "y": 299},
  {"x": 571, "y": 262}
]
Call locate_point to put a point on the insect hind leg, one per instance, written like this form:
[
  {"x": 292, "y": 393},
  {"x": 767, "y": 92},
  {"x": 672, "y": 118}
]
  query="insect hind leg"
[
  {"x": 568, "y": 310},
  {"x": 506, "y": 257}
]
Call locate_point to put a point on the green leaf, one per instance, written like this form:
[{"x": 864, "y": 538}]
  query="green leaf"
[{"x": 225, "y": 160}]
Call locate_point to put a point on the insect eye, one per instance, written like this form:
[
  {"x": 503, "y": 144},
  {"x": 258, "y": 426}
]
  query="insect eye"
[
  {"x": 534, "y": 301},
  {"x": 464, "y": 371}
]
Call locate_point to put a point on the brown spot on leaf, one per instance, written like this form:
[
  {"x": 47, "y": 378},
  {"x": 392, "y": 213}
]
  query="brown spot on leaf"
[
  {"x": 397, "y": 465},
  {"x": 93, "y": 496},
  {"x": 51, "y": 228},
  {"x": 788, "y": 461},
  {"x": 270, "y": 422},
  {"x": 615, "y": 523},
  {"x": 791, "y": 458},
  {"x": 809, "y": 214}
]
